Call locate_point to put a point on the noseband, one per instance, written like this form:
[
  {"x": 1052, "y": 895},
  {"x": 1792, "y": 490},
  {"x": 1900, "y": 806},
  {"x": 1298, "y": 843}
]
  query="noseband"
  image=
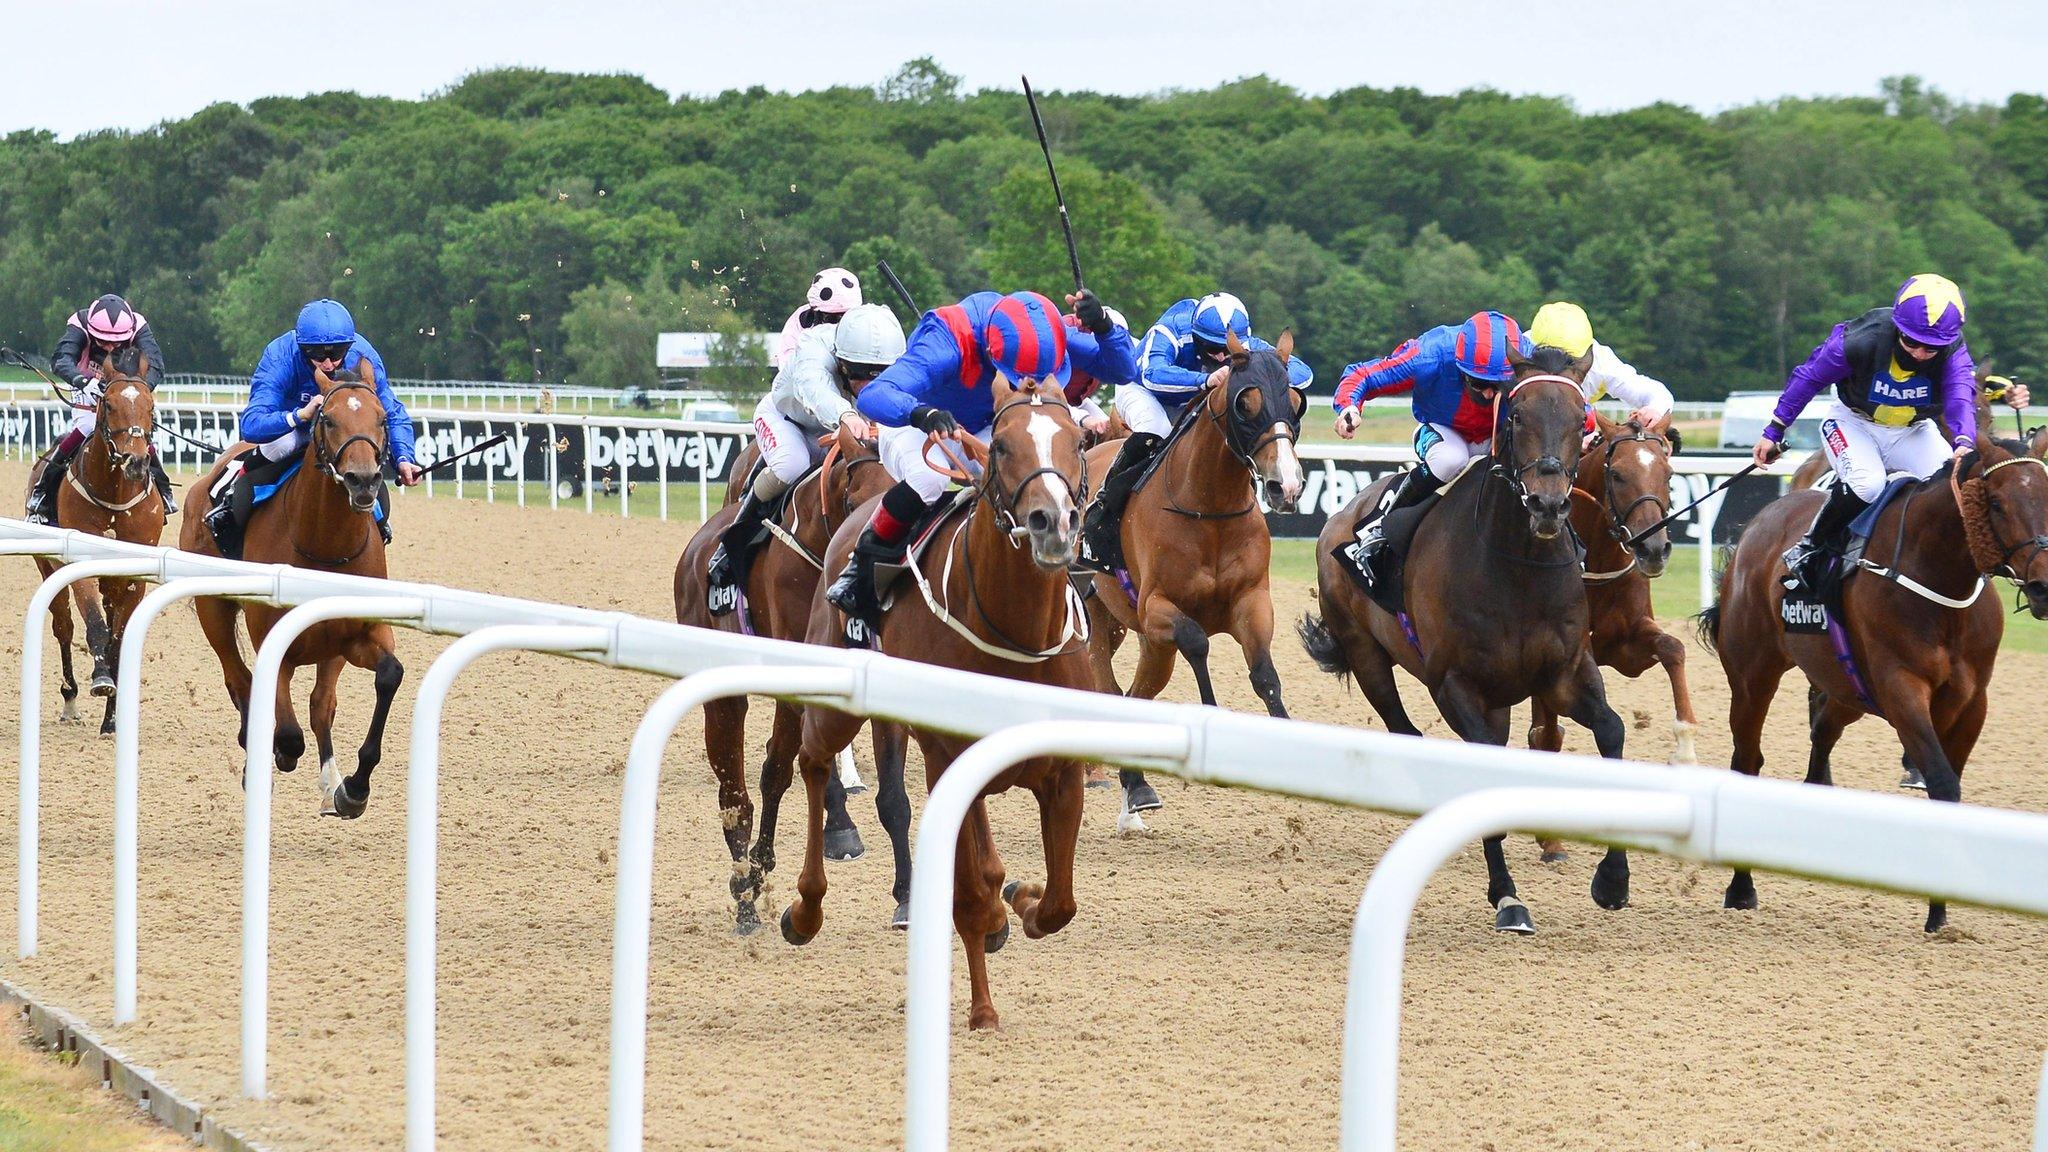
[
  {"x": 1006, "y": 510},
  {"x": 326, "y": 461},
  {"x": 105, "y": 426},
  {"x": 1504, "y": 439},
  {"x": 1617, "y": 518}
]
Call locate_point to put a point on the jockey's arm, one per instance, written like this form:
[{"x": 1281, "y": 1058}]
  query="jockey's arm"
[
  {"x": 397, "y": 421},
  {"x": 1959, "y": 397},
  {"x": 1827, "y": 367},
  {"x": 889, "y": 398},
  {"x": 270, "y": 412},
  {"x": 1110, "y": 359},
  {"x": 1156, "y": 369},
  {"x": 64, "y": 361},
  {"x": 1647, "y": 398},
  {"x": 145, "y": 340}
]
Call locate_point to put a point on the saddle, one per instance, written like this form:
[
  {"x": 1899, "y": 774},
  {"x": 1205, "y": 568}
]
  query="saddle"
[
  {"x": 1811, "y": 614},
  {"x": 1385, "y": 588},
  {"x": 888, "y": 574},
  {"x": 1102, "y": 545}
]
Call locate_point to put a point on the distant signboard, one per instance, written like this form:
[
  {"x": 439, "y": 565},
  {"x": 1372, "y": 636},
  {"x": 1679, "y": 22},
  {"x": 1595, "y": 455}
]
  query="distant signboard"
[{"x": 693, "y": 349}]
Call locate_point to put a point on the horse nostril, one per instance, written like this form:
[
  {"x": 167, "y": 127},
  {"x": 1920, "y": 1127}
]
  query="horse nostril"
[
  {"x": 2036, "y": 589},
  {"x": 1038, "y": 521}
]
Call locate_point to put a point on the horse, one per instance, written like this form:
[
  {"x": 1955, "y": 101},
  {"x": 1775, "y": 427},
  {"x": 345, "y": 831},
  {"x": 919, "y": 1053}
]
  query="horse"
[
  {"x": 1197, "y": 557},
  {"x": 996, "y": 570},
  {"x": 322, "y": 517},
  {"x": 1623, "y": 489},
  {"x": 107, "y": 492},
  {"x": 777, "y": 603},
  {"x": 1919, "y": 654},
  {"x": 1496, "y": 610}
]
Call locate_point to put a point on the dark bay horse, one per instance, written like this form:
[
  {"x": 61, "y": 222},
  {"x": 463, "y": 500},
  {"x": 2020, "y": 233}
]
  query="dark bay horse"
[
  {"x": 778, "y": 595},
  {"x": 1922, "y": 664},
  {"x": 107, "y": 492},
  {"x": 323, "y": 518},
  {"x": 1624, "y": 488},
  {"x": 1496, "y": 608},
  {"x": 998, "y": 571}
]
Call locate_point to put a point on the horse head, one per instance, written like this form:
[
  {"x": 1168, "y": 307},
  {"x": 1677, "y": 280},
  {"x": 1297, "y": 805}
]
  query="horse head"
[
  {"x": 1637, "y": 463},
  {"x": 1536, "y": 448},
  {"x": 1263, "y": 418},
  {"x": 845, "y": 485},
  {"x": 2004, "y": 496},
  {"x": 127, "y": 412},
  {"x": 1036, "y": 477},
  {"x": 349, "y": 440}
]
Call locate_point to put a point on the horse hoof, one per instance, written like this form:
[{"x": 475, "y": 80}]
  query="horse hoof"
[
  {"x": 341, "y": 803},
  {"x": 1610, "y": 888},
  {"x": 790, "y": 933},
  {"x": 1557, "y": 857},
  {"x": 1739, "y": 901},
  {"x": 1129, "y": 823},
  {"x": 994, "y": 941},
  {"x": 1937, "y": 917},
  {"x": 1913, "y": 780},
  {"x": 1010, "y": 891},
  {"x": 746, "y": 921},
  {"x": 102, "y": 686},
  {"x": 1142, "y": 798},
  {"x": 1511, "y": 915},
  {"x": 900, "y": 919},
  {"x": 844, "y": 844}
]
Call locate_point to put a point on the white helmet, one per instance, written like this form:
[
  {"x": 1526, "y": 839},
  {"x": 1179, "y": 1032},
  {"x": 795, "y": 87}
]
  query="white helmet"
[
  {"x": 834, "y": 290},
  {"x": 869, "y": 334}
]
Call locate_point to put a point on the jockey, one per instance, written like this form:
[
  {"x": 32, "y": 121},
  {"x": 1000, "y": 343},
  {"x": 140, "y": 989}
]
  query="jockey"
[
  {"x": 1455, "y": 374},
  {"x": 1561, "y": 324},
  {"x": 100, "y": 329},
  {"x": 1082, "y": 387},
  {"x": 833, "y": 293},
  {"x": 1179, "y": 354},
  {"x": 941, "y": 387},
  {"x": 1893, "y": 370},
  {"x": 812, "y": 396},
  {"x": 284, "y": 397}
]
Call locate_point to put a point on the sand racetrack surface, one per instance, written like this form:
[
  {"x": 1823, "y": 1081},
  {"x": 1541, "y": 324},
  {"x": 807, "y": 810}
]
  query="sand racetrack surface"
[{"x": 1195, "y": 1001}]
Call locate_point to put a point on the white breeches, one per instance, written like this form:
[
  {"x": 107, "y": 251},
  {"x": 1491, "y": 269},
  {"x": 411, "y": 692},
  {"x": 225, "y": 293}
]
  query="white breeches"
[
  {"x": 1864, "y": 452},
  {"x": 290, "y": 444},
  {"x": 788, "y": 448},
  {"x": 1445, "y": 452},
  {"x": 903, "y": 455},
  {"x": 1142, "y": 411}
]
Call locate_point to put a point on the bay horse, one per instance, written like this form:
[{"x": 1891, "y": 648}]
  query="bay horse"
[
  {"x": 1496, "y": 610},
  {"x": 1196, "y": 552},
  {"x": 997, "y": 568},
  {"x": 322, "y": 517},
  {"x": 1624, "y": 488},
  {"x": 777, "y": 603},
  {"x": 107, "y": 492},
  {"x": 1922, "y": 657}
]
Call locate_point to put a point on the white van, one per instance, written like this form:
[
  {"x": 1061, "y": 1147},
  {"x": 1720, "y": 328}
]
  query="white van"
[{"x": 1744, "y": 415}]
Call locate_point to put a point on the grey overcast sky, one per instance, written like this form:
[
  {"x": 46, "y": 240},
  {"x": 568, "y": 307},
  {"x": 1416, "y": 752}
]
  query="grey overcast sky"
[{"x": 78, "y": 65}]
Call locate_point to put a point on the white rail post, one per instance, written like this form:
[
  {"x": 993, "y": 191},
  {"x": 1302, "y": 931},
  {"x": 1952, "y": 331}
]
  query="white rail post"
[
  {"x": 490, "y": 473},
  {"x": 589, "y": 497},
  {"x": 422, "y": 841},
  {"x": 1710, "y": 514},
  {"x": 928, "y": 974},
  {"x": 619, "y": 458},
  {"x": 127, "y": 756},
  {"x": 661, "y": 467},
  {"x": 1379, "y": 934},
  {"x": 521, "y": 435},
  {"x": 256, "y": 772},
  {"x": 29, "y": 841},
  {"x": 703, "y": 478},
  {"x": 634, "y": 907}
]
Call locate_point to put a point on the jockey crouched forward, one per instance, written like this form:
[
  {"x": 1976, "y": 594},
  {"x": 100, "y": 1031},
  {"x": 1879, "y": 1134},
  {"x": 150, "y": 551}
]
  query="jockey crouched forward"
[
  {"x": 284, "y": 399},
  {"x": 103, "y": 328},
  {"x": 941, "y": 386},
  {"x": 812, "y": 396}
]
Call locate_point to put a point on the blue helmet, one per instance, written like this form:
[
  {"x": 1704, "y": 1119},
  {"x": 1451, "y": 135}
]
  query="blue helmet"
[
  {"x": 324, "y": 322},
  {"x": 1219, "y": 314},
  {"x": 1481, "y": 348}
]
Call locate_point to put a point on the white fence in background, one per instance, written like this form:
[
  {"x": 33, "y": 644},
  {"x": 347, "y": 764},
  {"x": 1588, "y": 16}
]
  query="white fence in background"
[{"x": 1956, "y": 852}]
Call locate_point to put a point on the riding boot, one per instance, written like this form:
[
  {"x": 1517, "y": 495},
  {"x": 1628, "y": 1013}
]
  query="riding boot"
[
  {"x": 1101, "y": 525},
  {"x": 383, "y": 516},
  {"x": 1806, "y": 562},
  {"x": 853, "y": 592},
  {"x": 163, "y": 484},
  {"x": 735, "y": 552},
  {"x": 227, "y": 531},
  {"x": 42, "y": 502},
  {"x": 1417, "y": 484}
]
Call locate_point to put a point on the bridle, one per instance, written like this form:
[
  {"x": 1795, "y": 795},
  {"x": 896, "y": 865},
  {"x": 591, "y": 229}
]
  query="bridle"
[
  {"x": 104, "y": 429},
  {"x": 1234, "y": 426},
  {"x": 325, "y": 461},
  {"x": 2038, "y": 544},
  {"x": 1005, "y": 508},
  {"x": 1504, "y": 438},
  {"x": 1617, "y": 518}
]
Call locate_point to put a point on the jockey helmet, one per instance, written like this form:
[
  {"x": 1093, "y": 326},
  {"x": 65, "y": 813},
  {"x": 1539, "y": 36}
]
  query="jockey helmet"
[
  {"x": 1026, "y": 339},
  {"x": 868, "y": 337},
  {"x": 1217, "y": 316},
  {"x": 834, "y": 290},
  {"x": 1929, "y": 310},
  {"x": 1562, "y": 324},
  {"x": 111, "y": 322},
  {"x": 324, "y": 322},
  {"x": 1482, "y": 344}
]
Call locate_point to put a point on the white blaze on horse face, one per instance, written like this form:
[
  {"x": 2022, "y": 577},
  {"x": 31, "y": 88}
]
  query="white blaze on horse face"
[
  {"x": 130, "y": 393},
  {"x": 1290, "y": 464},
  {"x": 1043, "y": 429},
  {"x": 1645, "y": 457},
  {"x": 355, "y": 404}
]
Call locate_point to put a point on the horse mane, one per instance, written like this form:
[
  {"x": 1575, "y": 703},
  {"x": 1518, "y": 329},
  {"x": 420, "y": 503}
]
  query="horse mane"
[
  {"x": 128, "y": 361},
  {"x": 1551, "y": 360}
]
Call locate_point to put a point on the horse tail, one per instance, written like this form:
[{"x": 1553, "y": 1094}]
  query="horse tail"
[
  {"x": 1322, "y": 645},
  {"x": 1709, "y": 623}
]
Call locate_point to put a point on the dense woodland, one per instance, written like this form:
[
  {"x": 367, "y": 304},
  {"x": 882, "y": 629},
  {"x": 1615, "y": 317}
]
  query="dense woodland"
[{"x": 526, "y": 224}]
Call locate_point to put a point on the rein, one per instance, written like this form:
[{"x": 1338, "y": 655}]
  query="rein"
[
  {"x": 324, "y": 463},
  {"x": 103, "y": 432}
]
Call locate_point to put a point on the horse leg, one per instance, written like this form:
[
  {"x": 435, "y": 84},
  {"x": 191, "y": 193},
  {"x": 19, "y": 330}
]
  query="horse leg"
[
  {"x": 1586, "y": 703},
  {"x": 1047, "y": 907},
  {"x": 66, "y": 630},
  {"x": 372, "y": 650},
  {"x": 1464, "y": 709},
  {"x": 289, "y": 741},
  {"x": 778, "y": 768},
  {"x": 1671, "y": 654},
  {"x": 842, "y": 839},
  {"x": 1252, "y": 627},
  {"x": 1193, "y": 644},
  {"x": 725, "y": 732},
  {"x": 1105, "y": 637},
  {"x": 120, "y": 604},
  {"x": 823, "y": 733},
  {"x": 979, "y": 917},
  {"x": 217, "y": 621},
  {"x": 1826, "y": 719},
  {"x": 1911, "y": 716},
  {"x": 98, "y": 635},
  {"x": 892, "y": 805},
  {"x": 1155, "y": 670},
  {"x": 326, "y": 697},
  {"x": 1547, "y": 735},
  {"x": 1749, "y": 705}
]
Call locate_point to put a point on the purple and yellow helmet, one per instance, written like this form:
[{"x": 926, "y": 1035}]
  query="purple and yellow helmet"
[{"x": 1929, "y": 310}]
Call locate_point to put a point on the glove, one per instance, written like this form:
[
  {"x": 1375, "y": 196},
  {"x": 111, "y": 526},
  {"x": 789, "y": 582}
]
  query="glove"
[
  {"x": 936, "y": 421},
  {"x": 1093, "y": 316}
]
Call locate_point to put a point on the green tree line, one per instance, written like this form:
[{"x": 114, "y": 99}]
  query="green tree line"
[{"x": 525, "y": 224}]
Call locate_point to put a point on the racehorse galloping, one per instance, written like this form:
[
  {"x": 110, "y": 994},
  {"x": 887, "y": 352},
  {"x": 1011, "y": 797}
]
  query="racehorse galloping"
[
  {"x": 1195, "y": 548},
  {"x": 1922, "y": 657},
  {"x": 321, "y": 517},
  {"x": 998, "y": 572},
  {"x": 1623, "y": 489},
  {"x": 108, "y": 491},
  {"x": 1494, "y": 600},
  {"x": 777, "y": 603}
]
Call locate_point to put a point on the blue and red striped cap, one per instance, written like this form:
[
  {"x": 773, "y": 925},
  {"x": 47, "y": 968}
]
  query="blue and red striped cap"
[
  {"x": 1482, "y": 346},
  {"x": 1027, "y": 340}
]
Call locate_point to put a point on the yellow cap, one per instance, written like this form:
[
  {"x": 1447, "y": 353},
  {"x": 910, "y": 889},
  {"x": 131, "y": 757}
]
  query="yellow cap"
[{"x": 1562, "y": 324}]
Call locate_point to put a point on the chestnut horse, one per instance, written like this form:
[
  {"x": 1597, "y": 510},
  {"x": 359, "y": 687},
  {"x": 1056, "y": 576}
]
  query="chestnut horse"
[
  {"x": 777, "y": 603},
  {"x": 107, "y": 492},
  {"x": 998, "y": 572},
  {"x": 1624, "y": 488},
  {"x": 1922, "y": 651},
  {"x": 1496, "y": 608},
  {"x": 322, "y": 517},
  {"x": 1196, "y": 551}
]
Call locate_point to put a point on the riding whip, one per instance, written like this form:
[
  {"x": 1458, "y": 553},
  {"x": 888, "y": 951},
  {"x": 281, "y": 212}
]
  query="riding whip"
[
  {"x": 480, "y": 446},
  {"x": 889, "y": 274},
  {"x": 1066, "y": 226},
  {"x": 1716, "y": 489}
]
